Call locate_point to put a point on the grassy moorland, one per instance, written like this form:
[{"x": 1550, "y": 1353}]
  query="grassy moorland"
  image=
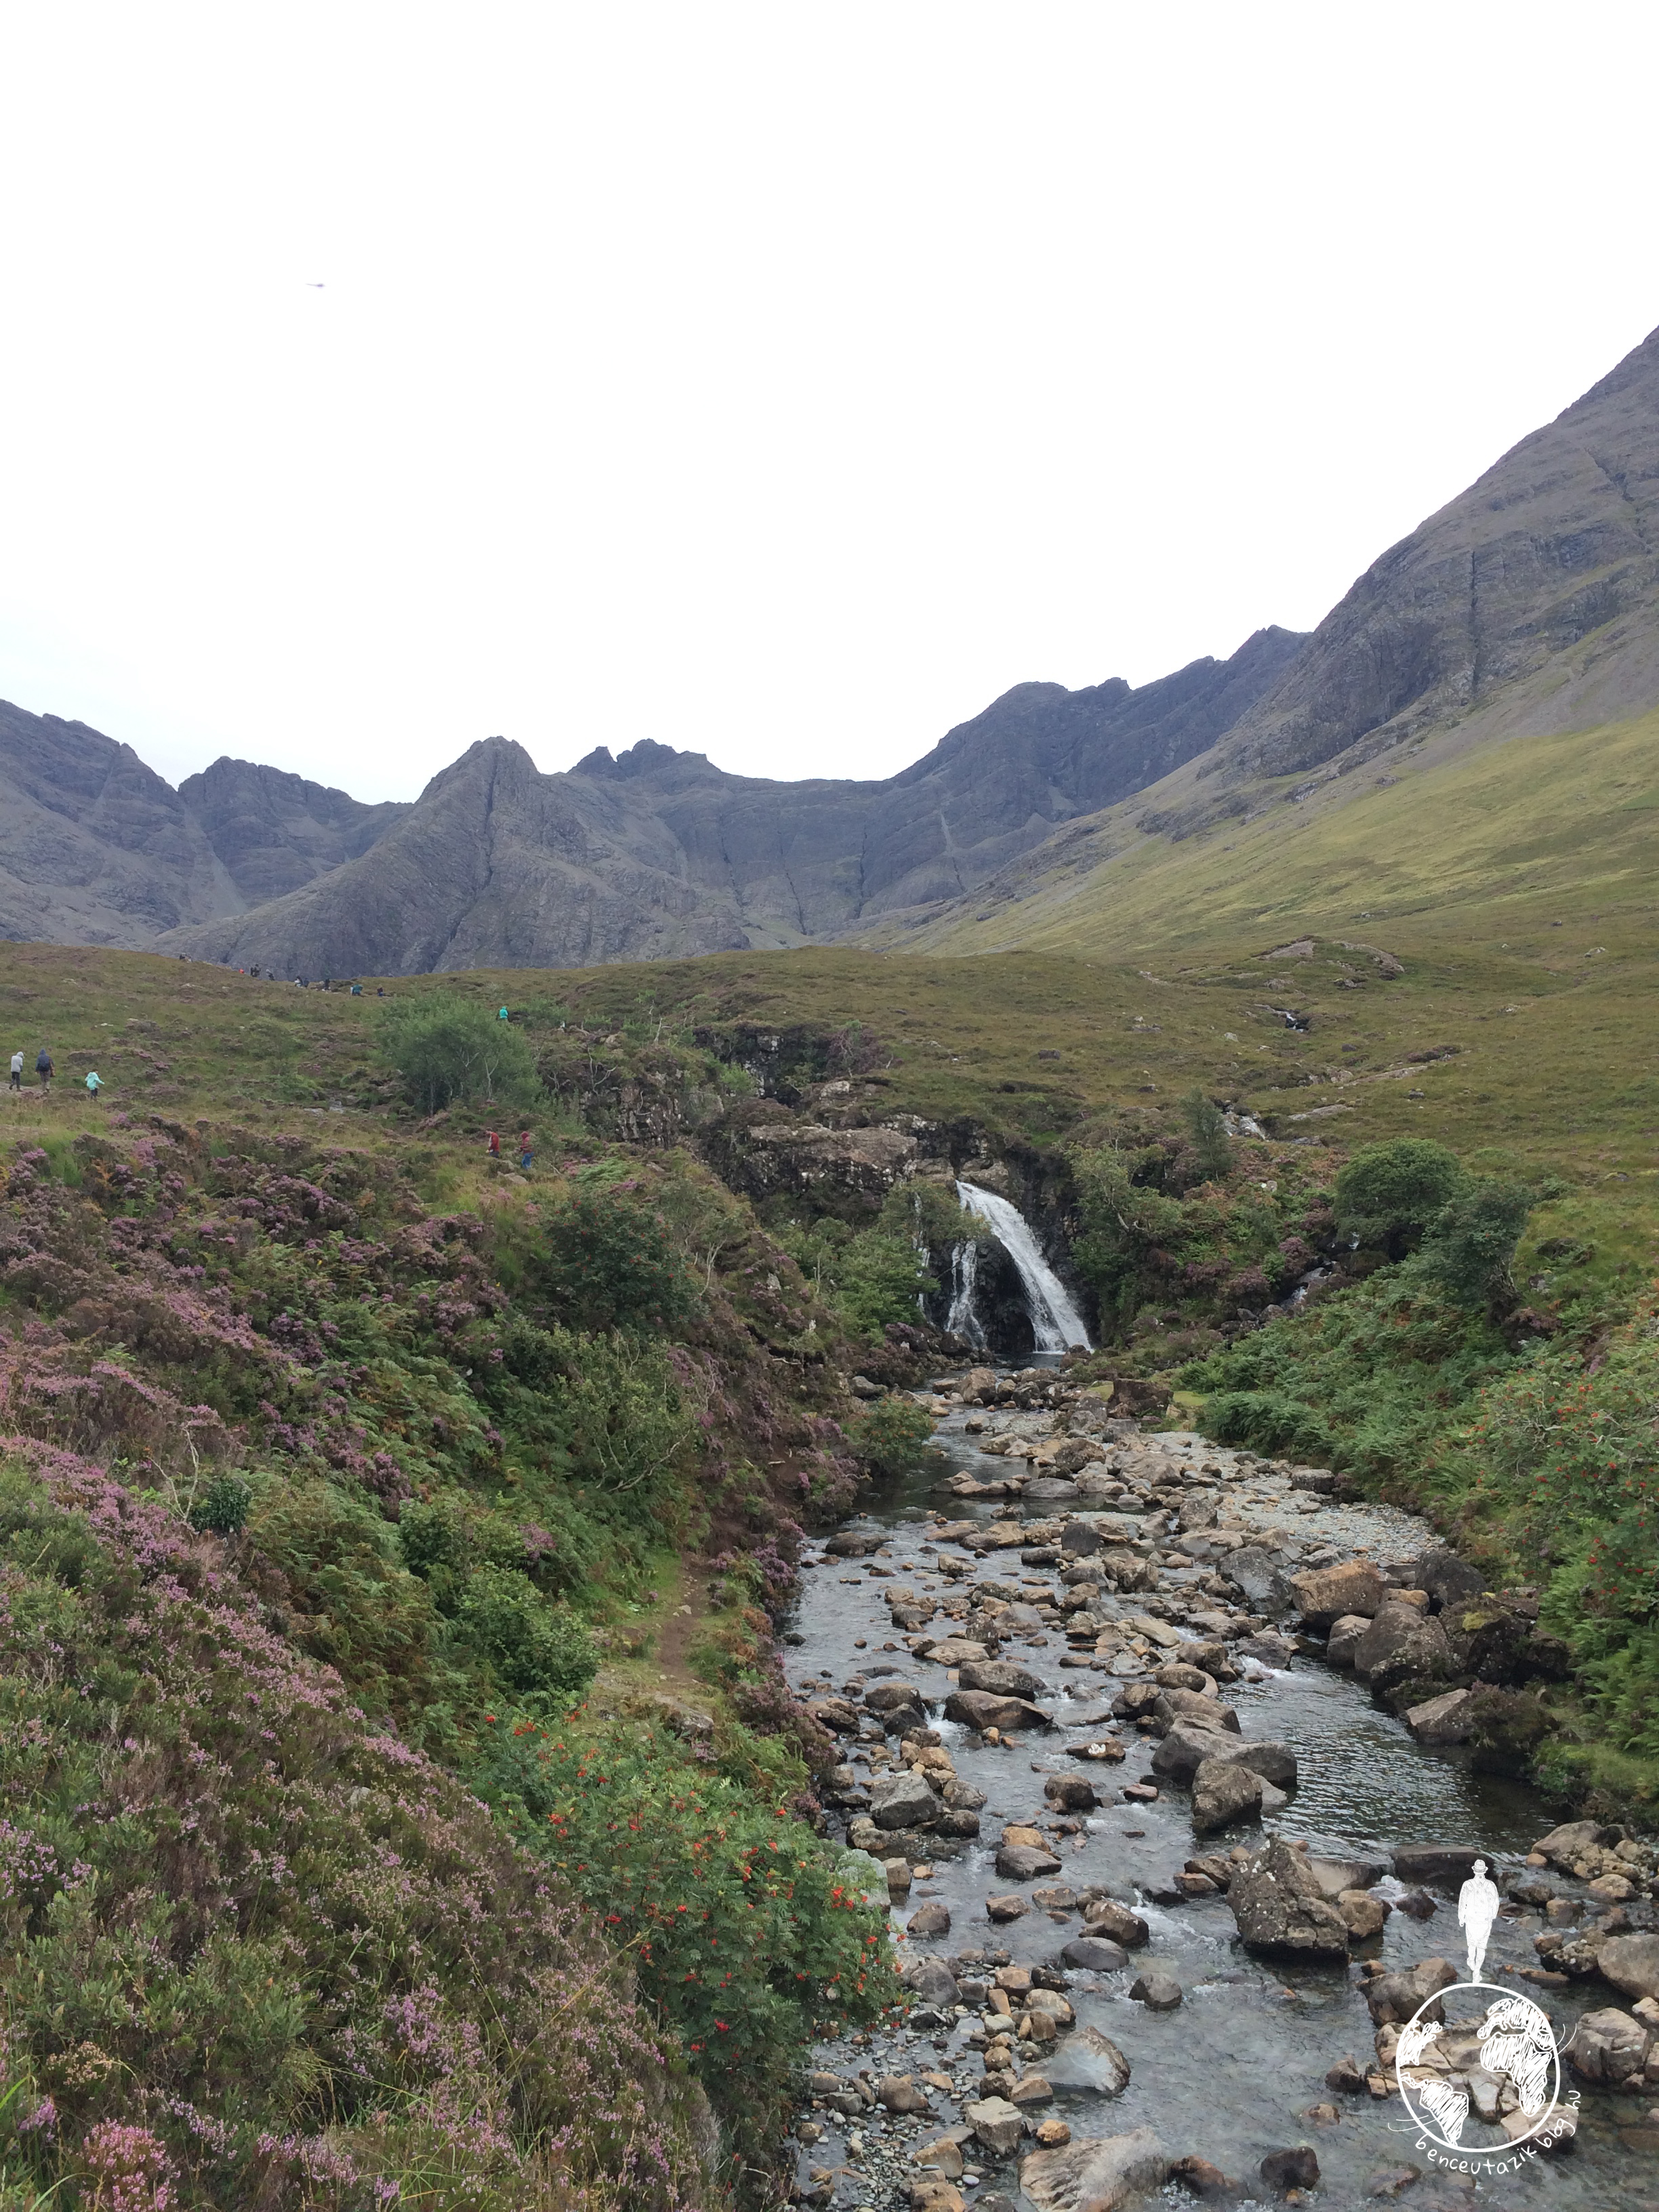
[{"x": 447, "y": 1487}]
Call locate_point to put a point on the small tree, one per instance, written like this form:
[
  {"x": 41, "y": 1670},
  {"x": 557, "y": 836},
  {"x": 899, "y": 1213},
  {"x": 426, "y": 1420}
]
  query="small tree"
[
  {"x": 1206, "y": 1127},
  {"x": 1387, "y": 1195},
  {"x": 447, "y": 1050},
  {"x": 609, "y": 1261},
  {"x": 1471, "y": 1241}
]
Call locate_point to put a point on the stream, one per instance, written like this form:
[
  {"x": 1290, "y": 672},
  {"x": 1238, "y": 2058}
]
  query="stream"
[{"x": 1235, "y": 2071}]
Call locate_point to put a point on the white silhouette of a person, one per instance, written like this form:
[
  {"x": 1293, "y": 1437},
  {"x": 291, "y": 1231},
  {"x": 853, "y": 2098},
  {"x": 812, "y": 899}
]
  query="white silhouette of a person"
[{"x": 1476, "y": 1909}]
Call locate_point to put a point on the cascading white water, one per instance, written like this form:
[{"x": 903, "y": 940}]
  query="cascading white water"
[
  {"x": 1055, "y": 1322},
  {"x": 962, "y": 1320}
]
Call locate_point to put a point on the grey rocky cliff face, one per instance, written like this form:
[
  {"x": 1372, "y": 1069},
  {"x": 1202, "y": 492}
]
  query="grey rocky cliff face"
[
  {"x": 1539, "y": 583},
  {"x": 95, "y": 848},
  {"x": 273, "y": 832}
]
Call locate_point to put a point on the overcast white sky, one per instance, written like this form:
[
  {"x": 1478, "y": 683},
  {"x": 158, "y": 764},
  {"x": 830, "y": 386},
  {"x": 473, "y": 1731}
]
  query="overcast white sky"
[{"x": 779, "y": 381}]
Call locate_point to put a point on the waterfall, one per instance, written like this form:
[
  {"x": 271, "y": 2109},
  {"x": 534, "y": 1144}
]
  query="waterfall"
[
  {"x": 962, "y": 1320},
  {"x": 1055, "y": 1322}
]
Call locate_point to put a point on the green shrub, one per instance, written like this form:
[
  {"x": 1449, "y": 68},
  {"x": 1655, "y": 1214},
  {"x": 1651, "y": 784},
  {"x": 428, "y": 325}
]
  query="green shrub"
[
  {"x": 879, "y": 1279},
  {"x": 746, "y": 1929},
  {"x": 1367, "y": 1379},
  {"x": 893, "y": 1436},
  {"x": 535, "y": 1649},
  {"x": 608, "y": 1261},
  {"x": 448, "y": 1050},
  {"x": 1387, "y": 1195},
  {"x": 224, "y": 1506}
]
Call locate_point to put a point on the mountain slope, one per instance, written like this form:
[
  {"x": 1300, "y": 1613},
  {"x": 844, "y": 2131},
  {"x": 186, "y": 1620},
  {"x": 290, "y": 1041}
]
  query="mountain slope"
[
  {"x": 659, "y": 853},
  {"x": 273, "y": 832},
  {"x": 95, "y": 848},
  {"x": 1526, "y": 610},
  {"x": 1530, "y": 603}
]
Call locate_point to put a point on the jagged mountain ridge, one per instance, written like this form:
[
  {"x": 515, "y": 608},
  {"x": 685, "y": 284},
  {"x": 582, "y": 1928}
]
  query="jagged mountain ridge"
[
  {"x": 660, "y": 853},
  {"x": 96, "y": 848}
]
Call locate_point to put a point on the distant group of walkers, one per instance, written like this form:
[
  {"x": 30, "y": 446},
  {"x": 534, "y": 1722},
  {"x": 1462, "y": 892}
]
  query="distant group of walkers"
[
  {"x": 45, "y": 1070},
  {"x": 493, "y": 1146}
]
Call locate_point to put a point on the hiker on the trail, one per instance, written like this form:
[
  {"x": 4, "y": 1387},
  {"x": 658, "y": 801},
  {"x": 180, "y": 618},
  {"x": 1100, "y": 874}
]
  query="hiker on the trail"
[
  {"x": 94, "y": 1083},
  {"x": 379, "y": 990},
  {"x": 493, "y": 1144},
  {"x": 503, "y": 1015},
  {"x": 356, "y": 990},
  {"x": 526, "y": 1155},
  {"x": 43, "y": 1067},
  {"x": 17, "y": 1071}
]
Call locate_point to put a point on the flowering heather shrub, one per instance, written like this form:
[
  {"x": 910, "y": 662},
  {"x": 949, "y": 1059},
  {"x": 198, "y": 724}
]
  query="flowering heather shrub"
[
  {"x": 442, "y": 1478},
  {"x": 252, "y": 1952},
  {"x": 744, "y": 1930}
]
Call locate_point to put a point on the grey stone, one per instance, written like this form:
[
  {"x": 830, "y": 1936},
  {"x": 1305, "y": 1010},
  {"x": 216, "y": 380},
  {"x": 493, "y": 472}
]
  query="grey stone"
[
  {"x": 1172, "y": 1706},
  {"x": 1437, "y": 1862},
  {"x": 1446, "y": 1719},
  {"x": 1402, "y": 1644},
  {"x": 1274, "y": 1762},
  {"x": 1105, "y": 1916},
  {"x": 1021, "y": 1863},
  {"x": 979, "y": 1709},
  {"x": 1630, "y": 1963},
  {"x": 1335, "y": 1876},
  {"x": 1185, "y": 1749},
  {"x": 1086, "y": 2059},
  {"x": 1607, "y": 2047},
  {"x": 1001, "y": 1677},
  {"x": 1094, "y": 1954},
  {"x": 1324, "y": 1595},
  {"x": 1224, "y": 1792},
  {"x": 996, "y": 2123},
  {"x": 902, "y": 1801},
  {"x": 1095, "y": 2173},
  {"x": 932, "y": 1982},
  {"x": 930, "y": 1919},
  {"x": 1157, "y": 1992},
  {"x": 1344, "y": 1638},
  {"x": 1280, "y": 1911}
]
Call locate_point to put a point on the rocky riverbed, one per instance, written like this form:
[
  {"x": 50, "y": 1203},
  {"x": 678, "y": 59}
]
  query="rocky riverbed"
[{"x": 1168, "y": 1875}]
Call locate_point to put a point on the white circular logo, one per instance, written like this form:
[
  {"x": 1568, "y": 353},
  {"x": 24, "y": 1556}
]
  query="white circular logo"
[{"x": 1486, "y": 2064}]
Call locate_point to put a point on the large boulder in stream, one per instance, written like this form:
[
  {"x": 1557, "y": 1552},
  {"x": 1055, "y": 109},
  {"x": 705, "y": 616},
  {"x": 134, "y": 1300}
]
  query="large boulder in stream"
[
  {"x": 1185, "y": 1749},
  {"x": 1223, "y": 1793},
  {"x": 1025, "y": 1863},
  {"x": 1630, "y": 1963},
  {"x": 1088, "y": 2060},
  {"x": 1097, "y": 2173},
  {"x": 1403, "y": 1644},
  {"x": 902, "y": 1801},
  {"x": 1278, "y": 1905},
  {"x": 1324, "y": 1595},
  {"x": 981, "y": 1710},
  {"x": 1206, "y": 1709},
  {"x": 1001, "y": 1677}
]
